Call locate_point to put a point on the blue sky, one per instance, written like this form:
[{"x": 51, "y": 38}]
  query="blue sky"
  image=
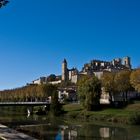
[{"x": 35, "y": 36}]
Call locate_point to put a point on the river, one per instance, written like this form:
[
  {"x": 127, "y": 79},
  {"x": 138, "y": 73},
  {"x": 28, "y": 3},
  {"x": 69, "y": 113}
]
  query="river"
[{"x": 44, "y": 128}]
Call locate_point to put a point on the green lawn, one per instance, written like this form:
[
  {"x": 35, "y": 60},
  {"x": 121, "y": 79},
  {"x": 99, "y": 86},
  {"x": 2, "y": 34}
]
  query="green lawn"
[
  {"x": 72, "y": 107},
  {"x": 109, "y": 114}
]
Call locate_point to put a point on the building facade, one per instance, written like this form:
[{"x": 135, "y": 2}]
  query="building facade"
[
  {"x": 41, "y": 80},
  {"x": 95, "y": 67},
  {"x": 116, "y": 64},
  {"x": 69, "y": 74}
]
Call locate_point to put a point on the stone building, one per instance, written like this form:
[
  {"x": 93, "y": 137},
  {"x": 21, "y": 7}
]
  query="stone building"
[
  {"x": 115, "y": 65},
  {"x": 69, "y": 74},
  {"x": 65, "y": 72},
  {"x": 67, "y": 93},
  {"x": 96, "y": 67},
  {"x": 41, "y": 80}
]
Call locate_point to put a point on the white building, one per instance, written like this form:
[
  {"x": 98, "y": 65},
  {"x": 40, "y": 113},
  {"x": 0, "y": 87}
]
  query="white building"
[
  {"x": 55, "y": 82},
  {"x": 41, "y": 80},
  {"x": 68, "y": 94}
]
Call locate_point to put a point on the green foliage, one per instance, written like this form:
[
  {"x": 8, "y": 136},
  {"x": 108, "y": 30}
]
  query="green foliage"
[
  {"x": 73, "y": 114},
  {"x": 72, "y": 107},
  {"x": 124, "y": 116},
  {"x": 89, "y": 91},
  {"x": 66, "y": 84},
  {"x": 122, "y": 83},
  {"x": 28, "y": 93},
  {"x": 117, "y": 83},
  {"x": 135, "y": 79},
  {"x": 3, "y": 3},
  {"x": 108, "y": 83},
  {"x": 56, "y": 107},
  {"x": 135, "y": 118},
  {"x": 47, "y": 89},
  {"x": 52, "y": 77},
  {"x": 82, "y": 89}
]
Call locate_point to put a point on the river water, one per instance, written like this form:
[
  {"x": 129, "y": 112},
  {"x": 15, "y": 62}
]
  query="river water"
[{"x": 44, "y": 128}]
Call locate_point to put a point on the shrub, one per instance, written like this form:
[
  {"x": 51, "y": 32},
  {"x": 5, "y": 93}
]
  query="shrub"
[{"x": 135, "y": 118}]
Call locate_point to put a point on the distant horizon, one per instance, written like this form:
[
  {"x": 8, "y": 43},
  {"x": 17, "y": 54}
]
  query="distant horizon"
[{"x": 35, "y": 36}]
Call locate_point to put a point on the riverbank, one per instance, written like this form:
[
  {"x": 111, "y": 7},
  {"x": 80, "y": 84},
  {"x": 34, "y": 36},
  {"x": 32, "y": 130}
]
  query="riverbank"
[
  {"x": 8, "y": 133},
  {"x": 127, "y": 115},
  {"x": 80, "y": 127}
]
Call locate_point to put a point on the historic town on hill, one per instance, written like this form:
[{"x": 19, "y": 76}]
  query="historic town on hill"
[{"x": 94, "y": 67}]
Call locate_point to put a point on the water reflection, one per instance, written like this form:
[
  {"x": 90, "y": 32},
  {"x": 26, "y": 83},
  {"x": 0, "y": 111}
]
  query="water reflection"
[
  {"x": 104, "y": 132},
  {"x": 45, "y": 128},
  {"x": 84, "y": 132}
]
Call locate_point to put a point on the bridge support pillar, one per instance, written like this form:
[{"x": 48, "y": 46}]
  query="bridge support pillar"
[{"x": 30, "y": 110}]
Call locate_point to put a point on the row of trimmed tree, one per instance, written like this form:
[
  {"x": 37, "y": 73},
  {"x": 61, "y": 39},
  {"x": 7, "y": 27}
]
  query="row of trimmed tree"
[
  {"x": 32, "y": 93},
  {"x": 28, "y": 93}
]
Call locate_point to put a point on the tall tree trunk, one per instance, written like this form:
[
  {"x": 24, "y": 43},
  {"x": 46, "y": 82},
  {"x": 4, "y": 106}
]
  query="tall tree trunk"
[
  {"x": 123, "y": 97},
  {"x": 110, "y": 97},
  {"x": 126, "y": 95}
]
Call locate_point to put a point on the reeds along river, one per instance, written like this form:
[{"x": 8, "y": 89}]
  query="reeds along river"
[{"x": 44, "y": 128}]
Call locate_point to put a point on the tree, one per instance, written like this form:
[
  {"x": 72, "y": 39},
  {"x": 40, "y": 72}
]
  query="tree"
[
  {"x": 65, "y": 84},
  {"x": 82, "y": 89},
  {"x": 51, "y": 78},
  {"x": 56, "y": 107},
  {"x": 122, "y": 83},
  {"x": 135, "y": 79},
  {"x": 3, "y": 3},
  {"x": 89, "y": 91},
  {"x": 108, "y": 83},
  {"x": 47, "y": 89}
]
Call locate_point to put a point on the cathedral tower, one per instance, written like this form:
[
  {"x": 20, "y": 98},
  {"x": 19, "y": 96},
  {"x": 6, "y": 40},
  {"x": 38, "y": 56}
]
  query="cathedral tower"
[
  {"x": 126, "y": 62},
  {"x": 64, "y": 71}
]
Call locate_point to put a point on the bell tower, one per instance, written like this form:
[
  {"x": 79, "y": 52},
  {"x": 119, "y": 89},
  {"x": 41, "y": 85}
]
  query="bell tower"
[
  {"x": 127, "y": 62},
  {"x": 64, "y": 71}
]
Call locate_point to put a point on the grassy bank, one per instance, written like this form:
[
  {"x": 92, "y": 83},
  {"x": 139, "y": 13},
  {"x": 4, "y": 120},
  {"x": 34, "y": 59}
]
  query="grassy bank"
[{"x": 128, "y": 115}]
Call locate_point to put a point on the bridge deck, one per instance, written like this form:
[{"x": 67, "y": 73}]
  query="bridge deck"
[{"x": 23, "y": 103}]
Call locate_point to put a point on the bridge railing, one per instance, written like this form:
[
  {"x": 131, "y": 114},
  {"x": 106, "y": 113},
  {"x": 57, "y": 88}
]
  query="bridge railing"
[{"x": 17, "y": 103}]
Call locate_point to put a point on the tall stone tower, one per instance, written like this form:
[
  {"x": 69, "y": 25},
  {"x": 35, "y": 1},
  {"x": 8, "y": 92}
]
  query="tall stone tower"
[
  {"x": 127, "y": 62},
  {"x": 64, "y": 71}
]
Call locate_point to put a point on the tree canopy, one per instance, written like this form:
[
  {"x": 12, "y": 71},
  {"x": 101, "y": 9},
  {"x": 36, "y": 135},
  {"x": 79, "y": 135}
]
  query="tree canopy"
[
  {"x": 89, "y": 91},
  {"x": 135, "y": 79},
  {"x": 122, "y": 83},
  {"x": 117, "y": 83},
  {"x": 51, "y": 78},
  {"x": 28, "y": 93},
  {"x": 108, "y": 83},
  {"x": 56, "y": 107},
  {"x": 3, "y": 3}
]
